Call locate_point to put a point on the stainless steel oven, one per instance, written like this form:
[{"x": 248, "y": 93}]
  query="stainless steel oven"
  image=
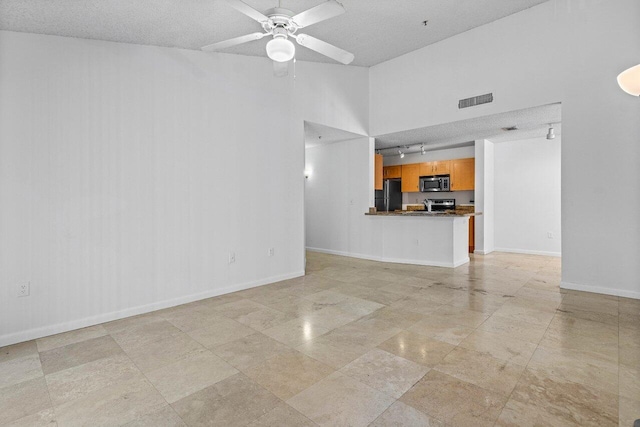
[{"x": 430, "y": 184}]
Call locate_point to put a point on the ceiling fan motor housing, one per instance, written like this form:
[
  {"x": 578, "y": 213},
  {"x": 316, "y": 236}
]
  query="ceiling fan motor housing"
[
  {"x": 280, "y": 32},
  {"x": 280, "y": 19}
]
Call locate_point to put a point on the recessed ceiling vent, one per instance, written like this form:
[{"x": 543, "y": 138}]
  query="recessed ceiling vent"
[{"x": 476, "y": 100}]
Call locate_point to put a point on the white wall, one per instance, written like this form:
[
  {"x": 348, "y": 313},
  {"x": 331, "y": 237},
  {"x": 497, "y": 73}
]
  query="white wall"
[
  {"x": 559, "y": 51},
  {"x": 123, "y": 170},
  {"x": 337, "y": 195},
  {"x": 527, "y": 196}
]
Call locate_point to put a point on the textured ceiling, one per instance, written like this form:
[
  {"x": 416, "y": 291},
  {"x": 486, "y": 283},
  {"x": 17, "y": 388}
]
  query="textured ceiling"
[
  {"x": 374, "y": 30},
  {"x": 316, "y": 134},
  {"x": 531, "y": 123}
]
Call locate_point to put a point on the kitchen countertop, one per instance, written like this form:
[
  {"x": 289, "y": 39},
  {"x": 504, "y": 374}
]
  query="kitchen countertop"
[{"x": 445, "y": 214}]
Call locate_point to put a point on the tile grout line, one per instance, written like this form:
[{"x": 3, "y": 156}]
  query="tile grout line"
[
  {"x": 147, "y": 380},
  {"x": 46, "y": 383},
  {"x": 525, "y": 367}
]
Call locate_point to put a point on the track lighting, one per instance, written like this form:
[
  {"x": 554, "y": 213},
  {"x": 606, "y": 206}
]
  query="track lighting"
[
  {"x": 551, "y": 135},
  {"x": 401, "y": 154},
  {"x": 422, "y": 151}
]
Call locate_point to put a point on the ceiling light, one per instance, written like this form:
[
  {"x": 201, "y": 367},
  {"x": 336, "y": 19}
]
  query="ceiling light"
[
  {"x": 401, "y": 154},
  {"x": 280, "y": 49},
  {"x": 422, "y": 151},
  {"x": 551, "y": 134},
  {"x": 629, "y": 80}
]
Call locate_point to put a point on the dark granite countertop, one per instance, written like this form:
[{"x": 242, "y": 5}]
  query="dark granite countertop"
[{"x": 445, "y": 214}]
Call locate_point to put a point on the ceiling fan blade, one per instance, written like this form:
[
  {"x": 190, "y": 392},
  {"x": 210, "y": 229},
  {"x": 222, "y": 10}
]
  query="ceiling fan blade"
[
  {"x": 280, "y": 69},
  {"x": 242, "y": 7},
  {"x": 325, "y": 48},
  {"x": 323, "y": 11},
  {"x": 233, "y": 42}
]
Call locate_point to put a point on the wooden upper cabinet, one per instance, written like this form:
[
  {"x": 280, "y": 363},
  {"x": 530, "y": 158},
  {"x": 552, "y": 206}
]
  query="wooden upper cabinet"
[
  {"x": 411, "y": 178},
  {"x": 426, "y": 169},
  {"x": 463, "y": 174},
  {"x": 389, "y": 172},
  {"x": 378, "y": 169},
  {"x": 435, "y": 168},
  {"x": 442, "y": 167}
]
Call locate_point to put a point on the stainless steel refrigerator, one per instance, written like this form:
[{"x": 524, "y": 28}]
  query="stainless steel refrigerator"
[{"x": 390, "y": 197}]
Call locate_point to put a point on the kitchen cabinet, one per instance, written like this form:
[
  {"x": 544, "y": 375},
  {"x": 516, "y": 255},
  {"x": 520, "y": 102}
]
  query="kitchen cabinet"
[
  {"x": 463, "y": 174},
  {"x": 472, "y": 234},
  {"x": 442, "y": 167},
  {"x": 378, "y": 175},
  {"x": 411, "y": 178},
  {"x": 390, "y": 172}
]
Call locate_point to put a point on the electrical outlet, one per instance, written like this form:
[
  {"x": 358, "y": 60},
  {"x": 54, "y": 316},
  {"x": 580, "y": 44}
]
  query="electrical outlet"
[
  {"x": 232, "y": 257},
  {"x": 549, "y": 235},
  {"x": 24, "y": 289},
  {"x": 271, "y": 251}
]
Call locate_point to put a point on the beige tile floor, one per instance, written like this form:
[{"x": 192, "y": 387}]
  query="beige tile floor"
[{"x": 353, "y": 343}]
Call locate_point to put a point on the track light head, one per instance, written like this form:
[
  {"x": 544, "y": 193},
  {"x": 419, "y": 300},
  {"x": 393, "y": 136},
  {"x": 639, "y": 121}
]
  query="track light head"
[
  {"x": 551, "y": 134},
  {"x": 422, "y": 151},
  {"x": 401, "y": 154}
]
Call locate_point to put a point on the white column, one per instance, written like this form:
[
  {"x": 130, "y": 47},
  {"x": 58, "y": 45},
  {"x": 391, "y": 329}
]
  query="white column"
[{"x": 484, "y": 199}]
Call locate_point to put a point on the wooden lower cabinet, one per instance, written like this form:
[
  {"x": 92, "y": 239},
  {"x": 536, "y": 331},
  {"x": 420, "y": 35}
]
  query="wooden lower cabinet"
[
  {"x": 411, "y": 178},
  {"x": 378, "y": 176},
  {"x": 472, "y": 234}
]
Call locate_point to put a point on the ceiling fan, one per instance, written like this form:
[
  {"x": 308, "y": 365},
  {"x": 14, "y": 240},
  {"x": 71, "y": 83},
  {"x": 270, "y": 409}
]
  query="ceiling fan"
[{"x": 282, "y": 24}]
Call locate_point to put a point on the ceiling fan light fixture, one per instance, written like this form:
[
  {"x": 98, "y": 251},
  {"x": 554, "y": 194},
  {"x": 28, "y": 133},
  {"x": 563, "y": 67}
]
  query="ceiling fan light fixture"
[
  {"x": 281, "y": 49},
  {"x": 629, "y": 80}
]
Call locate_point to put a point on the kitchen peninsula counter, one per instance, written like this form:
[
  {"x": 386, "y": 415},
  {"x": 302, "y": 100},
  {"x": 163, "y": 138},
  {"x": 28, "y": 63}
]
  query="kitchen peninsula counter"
[
  {"x": 445, "y": 214},
  {"x": 419, "y": 237}
]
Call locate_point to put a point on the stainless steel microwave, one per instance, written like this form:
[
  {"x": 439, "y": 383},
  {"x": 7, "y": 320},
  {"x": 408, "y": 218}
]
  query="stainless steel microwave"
[{"x": 434, "y": 183}]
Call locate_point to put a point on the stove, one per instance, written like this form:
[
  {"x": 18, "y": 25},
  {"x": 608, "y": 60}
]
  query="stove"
[{"x": 442, "y": 205}]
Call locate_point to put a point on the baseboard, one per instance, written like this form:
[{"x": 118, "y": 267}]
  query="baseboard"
[
  {"x": 481, "y": 252},
  {"x": 58, "y": 328},
  {"x": 391, "y": 260},
  {"x": 528, "y": 252},
  {"x": 600, "y": 290}
]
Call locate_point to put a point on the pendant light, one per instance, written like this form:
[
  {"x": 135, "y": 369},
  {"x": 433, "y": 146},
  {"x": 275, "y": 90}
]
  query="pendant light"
[{"x": 629, "y": 80}]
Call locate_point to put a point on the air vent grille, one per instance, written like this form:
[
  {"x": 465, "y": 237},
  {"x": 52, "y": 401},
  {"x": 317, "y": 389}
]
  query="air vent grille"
[{"x": 476, "y": 100}]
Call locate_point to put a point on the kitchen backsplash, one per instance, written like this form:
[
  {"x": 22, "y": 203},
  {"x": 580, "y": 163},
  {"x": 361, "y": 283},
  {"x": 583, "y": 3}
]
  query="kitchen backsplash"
[{"x": 462, "y": 197}]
